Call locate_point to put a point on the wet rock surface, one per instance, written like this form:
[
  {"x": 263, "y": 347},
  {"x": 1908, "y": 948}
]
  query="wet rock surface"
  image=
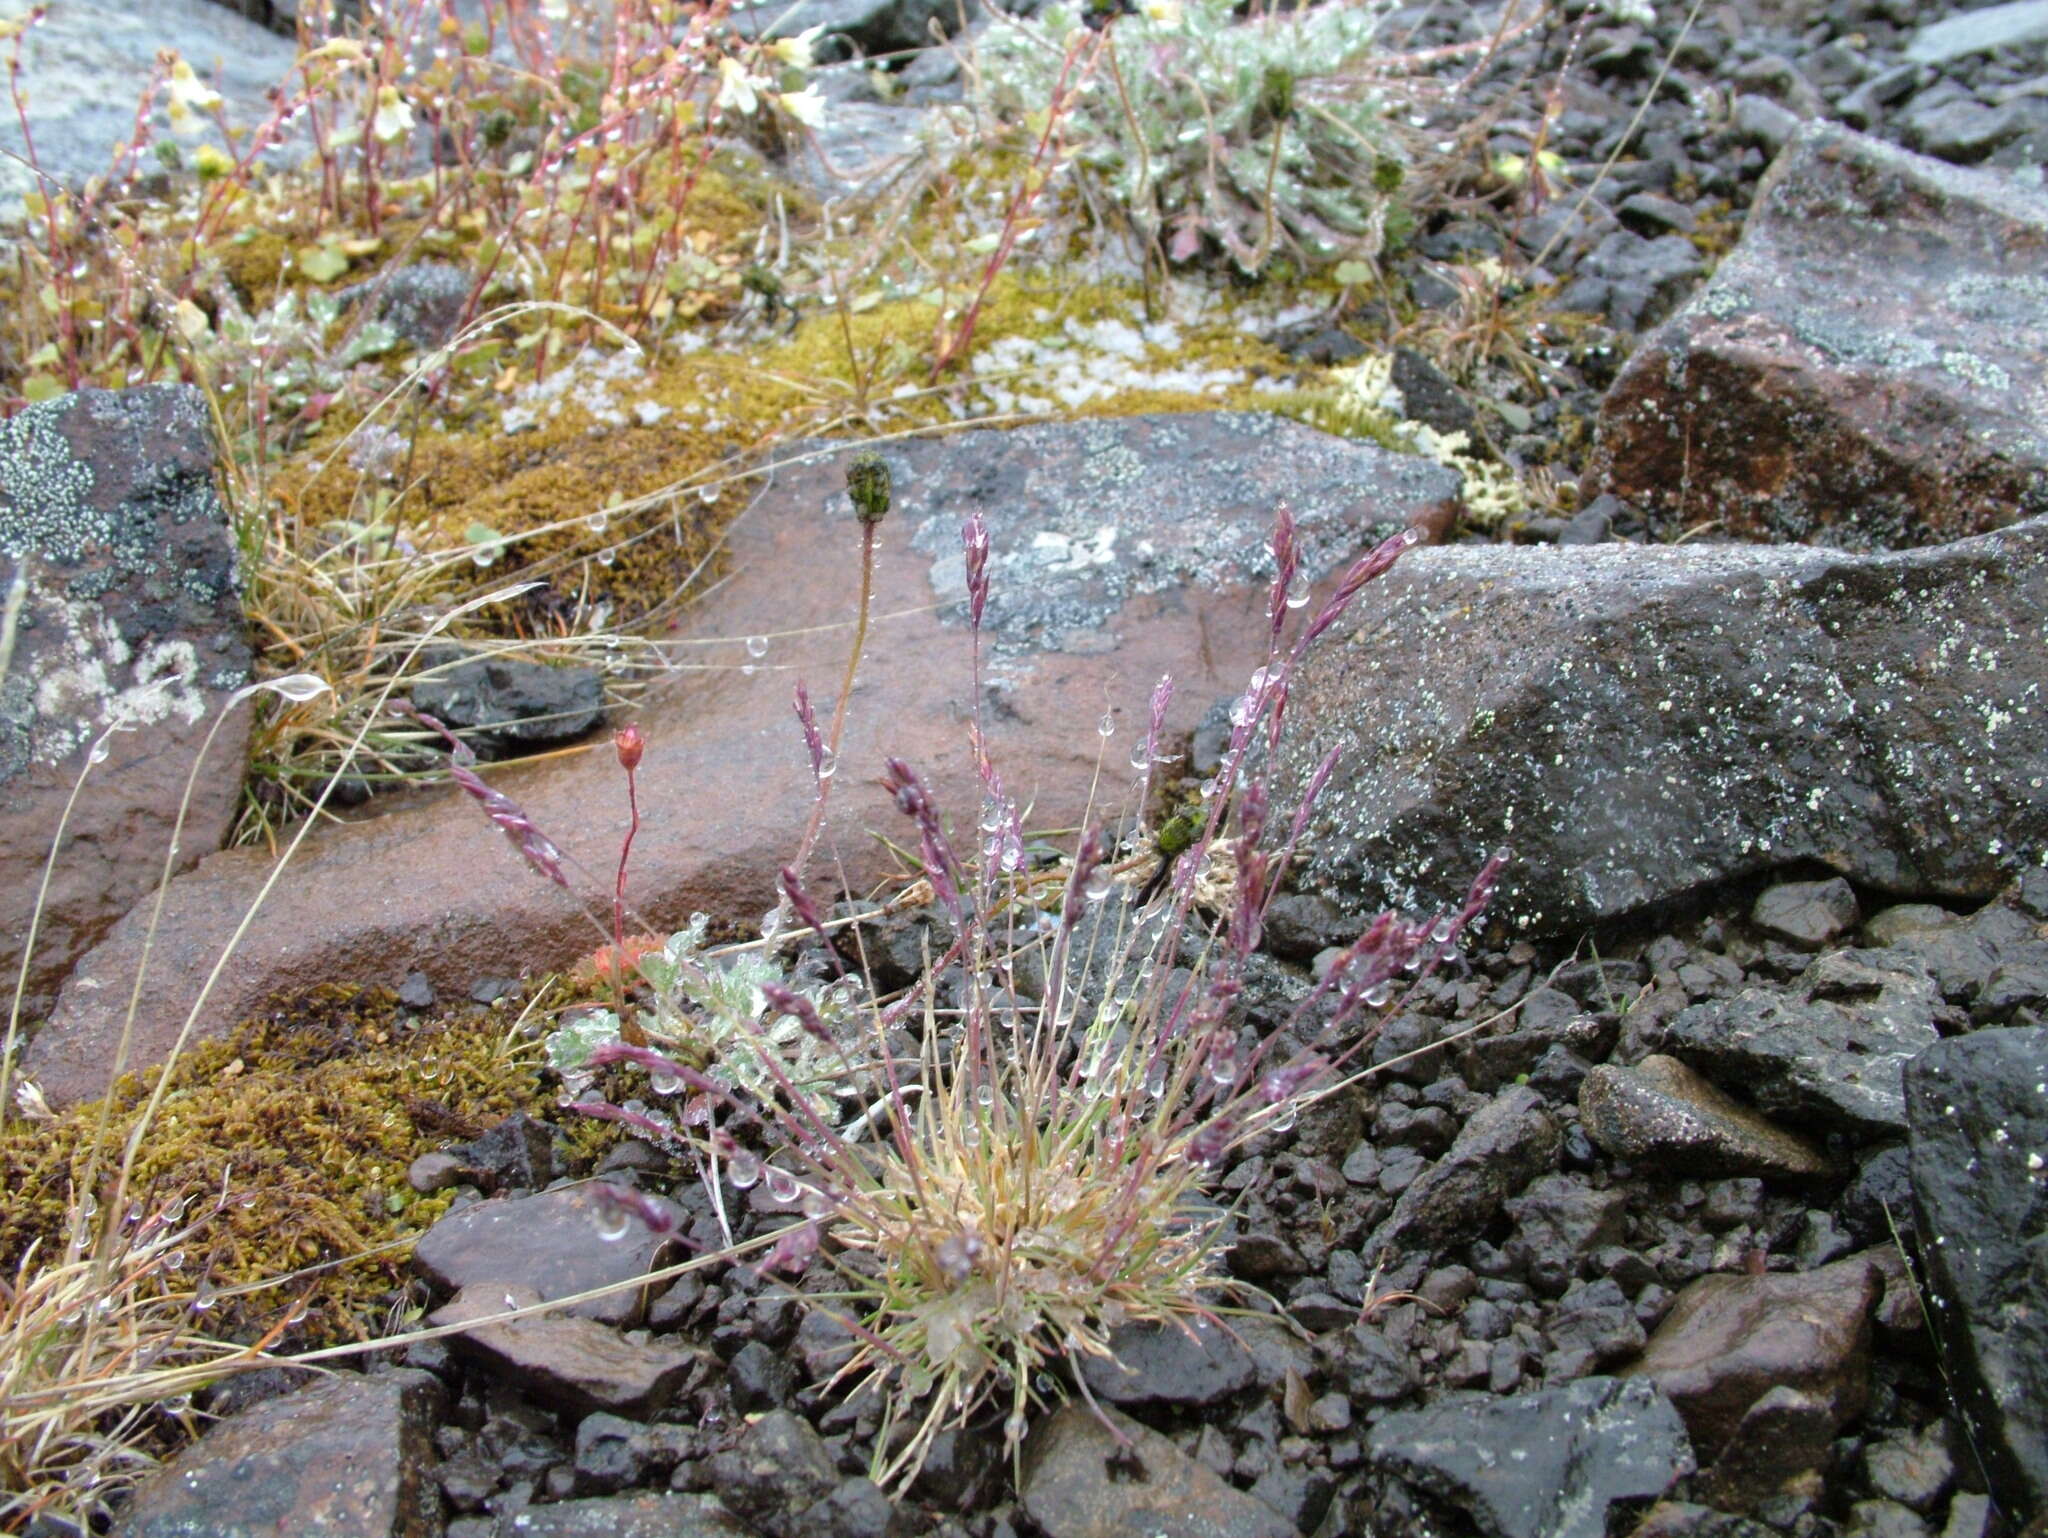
[
  {"x": 1654, "y": 1174},
  {"x": 1976, "y": 1107},
  {"x": 1110, "y": 584},
  {"x": 131, "y": 644},
  {"x": 1894, "y": 417},
  {"x": 1576, "y": 1451},
  {"x": 1070, "y": 1491},
  {"x": 352, "y": 1454},
  {"x": 1655, "y": 721}
]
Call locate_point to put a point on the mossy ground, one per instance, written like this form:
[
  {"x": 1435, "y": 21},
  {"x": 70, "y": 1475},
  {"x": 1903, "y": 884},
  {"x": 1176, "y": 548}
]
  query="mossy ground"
[{"x": 307, "y": 1120}]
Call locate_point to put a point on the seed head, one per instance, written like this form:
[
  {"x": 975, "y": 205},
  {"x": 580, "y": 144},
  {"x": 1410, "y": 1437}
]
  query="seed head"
[
  {"x": 630, "y": 745},
  {"x": 867, "y": 483}
]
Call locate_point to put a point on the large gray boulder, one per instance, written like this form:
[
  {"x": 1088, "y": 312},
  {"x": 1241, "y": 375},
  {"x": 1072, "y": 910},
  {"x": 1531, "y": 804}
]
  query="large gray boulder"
[{"x": 1642, "y": 723}]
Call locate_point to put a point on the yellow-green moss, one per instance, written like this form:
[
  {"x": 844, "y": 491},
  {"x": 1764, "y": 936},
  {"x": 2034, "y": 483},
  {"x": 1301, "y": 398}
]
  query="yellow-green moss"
[{"x": 309, "y": 1119}]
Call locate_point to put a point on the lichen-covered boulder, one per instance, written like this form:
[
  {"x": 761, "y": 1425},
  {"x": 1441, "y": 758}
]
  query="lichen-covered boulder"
[
  {"x": 1868, "y": 368},
  {"x": 132, "y": 622},
  {"x": 1640, "y": 724}
]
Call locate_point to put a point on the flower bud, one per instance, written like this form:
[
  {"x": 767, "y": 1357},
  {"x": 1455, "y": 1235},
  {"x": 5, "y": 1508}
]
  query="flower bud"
[
  {"x": 630, "y": 745},
  {"x": 867, "y": 483}
]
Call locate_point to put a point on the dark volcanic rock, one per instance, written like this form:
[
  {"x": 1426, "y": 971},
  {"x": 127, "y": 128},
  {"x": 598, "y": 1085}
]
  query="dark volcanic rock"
[
  {"x": 1080, "y": 1482},
  {"x": 627, "y": 1516},
  {"x": 1639, "y": 724},
  {"x": 548, "y": 1242},
  {"x": 1166, "y": 1364},
  {"x": 1807, "y": 913},
  {"x": 507, "y": 704},
  {"x": 1864, "y": 367},
  {"x": 348, "y": 1455},
  {"x": 557, "y": 1359},
  {"x": 1978, "y": 1113},
  {"x": 1661, "y": 1115},
  {"x": 1503, "y": 1145},
  {"x": 1541, "y": 1465},
  {"x": 1729, "y": 1340},
  {"x": 1831, "y": 1047},
  {"x": 1119, "y": 554},
  {"x": 132, "y": 615}
]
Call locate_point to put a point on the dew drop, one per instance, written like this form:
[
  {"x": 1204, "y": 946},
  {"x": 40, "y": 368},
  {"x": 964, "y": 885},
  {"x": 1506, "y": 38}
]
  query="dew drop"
[
  {"x": 607, "y": 556},
  {"x": 662, "y": 1082},
  {"x": 1106, "y": 727},
  {"x": 781, "y": 1184},
  {"x": 828, "y": 764},
  {"x": 743, "y": 1170},
  {"x": 984, "y": 1095},
  {"x": 1442, "y": 931},
  {"x": 613, "y": 1224},
  {"x": 1297, "y": 593},
  {"x": 1209, "y": 787},
  {"x": 971, "y": 1134},
  {"x": 204, "y": 1298},
  {"x": 1141, "y": 758},
  {"x": 707, "y": 493},
  {"x": 99, "y": 752},
  {"x": 1378, "y": 994},
  {"x": 1015, "y": 1427},
  {"x": 757, "y": 646},
  {"x": 771, "y": 923},
  {"x": 1283, "y": 1116},
  {"x": 597, "y": 522}
]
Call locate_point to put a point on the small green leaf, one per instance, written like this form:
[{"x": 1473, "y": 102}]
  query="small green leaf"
[{"x": 1353, "y": 274}]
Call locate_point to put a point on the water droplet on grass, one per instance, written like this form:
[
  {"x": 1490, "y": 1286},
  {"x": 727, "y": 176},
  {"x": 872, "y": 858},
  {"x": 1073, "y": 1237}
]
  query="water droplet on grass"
[{"x": 757, "y": 646}]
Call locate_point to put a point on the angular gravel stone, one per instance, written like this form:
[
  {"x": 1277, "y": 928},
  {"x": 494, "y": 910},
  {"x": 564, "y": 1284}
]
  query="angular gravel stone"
[
  {"x": 1832, "y": 1046},
  {"x": 1663, "y": 1116},
  {"x": 627, "y": 1516},
  {"x": 549, "y": 1242},
  {"x": 348, "y": 1456},
  {"x": 1540, "y": 1465},
  {"x": 1505, "y": 1144},
  {"x": 572, "y": 1364},
  {"x": 1729, "y": 1340},
  {"x": 1978, "y": 1110},
  {"x": 1080, "y": 1482},
  {"x": 1164, "y": 1364},
  {"x": 1807, "y": 913}
]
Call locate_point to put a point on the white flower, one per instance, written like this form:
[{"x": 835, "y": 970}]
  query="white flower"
[
  {"x": 394, "y": 116},
  {"x": 738, "y": 90},
  {"x": 798, "y": 52},
  {"x": 806, "y": 106},
  {"x": 188, "y": 94}
]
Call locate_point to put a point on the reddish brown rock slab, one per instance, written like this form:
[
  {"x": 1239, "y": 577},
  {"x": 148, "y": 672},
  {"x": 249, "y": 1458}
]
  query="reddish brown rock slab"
[
  {"x": 1123, "y": 550},
  {"x": 131, "y": 615},
  {"x": 351, "y": 1457},
  {"x": 1868, "y": 368},
  {"x": 570, "y": 1364},
  {"x": 552, "y": 1242},
  {"x": 1730, "y": 1340}
]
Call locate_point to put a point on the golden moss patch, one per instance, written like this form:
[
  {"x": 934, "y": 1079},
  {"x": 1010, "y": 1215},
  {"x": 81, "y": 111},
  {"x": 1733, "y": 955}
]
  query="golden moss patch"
[{"x": 308, "y": 1120}]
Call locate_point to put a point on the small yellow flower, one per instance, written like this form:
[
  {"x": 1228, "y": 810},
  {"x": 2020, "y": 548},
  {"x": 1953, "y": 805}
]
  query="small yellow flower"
[
  {"x": 1165, "y": 12},
  {"x": 799, "y": 52},
  {"x": 806, "y": 106},
  {"x": 394, "y": 116},
  {"x": 212, "y": 162},
  {"x": 186, "y": 95},
  {"x": 737, "y": 90}
]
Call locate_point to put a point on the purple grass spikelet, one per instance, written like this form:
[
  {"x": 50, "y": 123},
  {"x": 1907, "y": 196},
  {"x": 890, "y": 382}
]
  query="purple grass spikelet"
[{"x": 974, "y": 546}]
